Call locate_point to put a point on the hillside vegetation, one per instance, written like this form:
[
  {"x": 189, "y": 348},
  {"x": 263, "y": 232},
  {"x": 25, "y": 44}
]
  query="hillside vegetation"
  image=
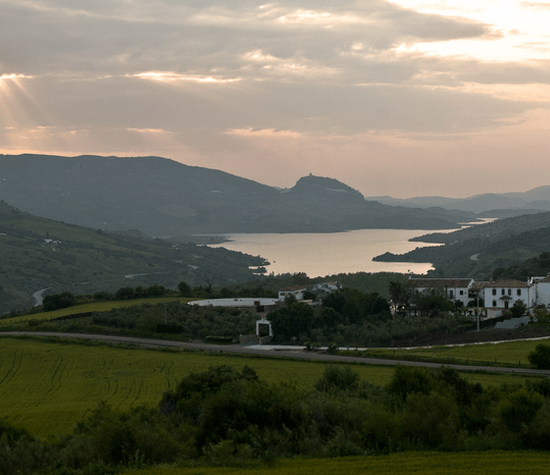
[
  {"x": 39, "y": 253},
  {"x": 478, "y": 250},
  {"x": 162, "y": 197}
]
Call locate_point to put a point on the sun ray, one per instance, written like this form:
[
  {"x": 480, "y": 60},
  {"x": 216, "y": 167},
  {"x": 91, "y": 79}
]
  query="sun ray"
[{"x": 18, "y": 107}]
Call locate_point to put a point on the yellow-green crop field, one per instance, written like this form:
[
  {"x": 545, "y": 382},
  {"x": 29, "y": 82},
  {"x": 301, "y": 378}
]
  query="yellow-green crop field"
[
  {"x": 47, "y": 385},
  {"x": 90, "y": 307},
  {"x": 427, "y": 463},
  {"x": 505, "y": 353}
]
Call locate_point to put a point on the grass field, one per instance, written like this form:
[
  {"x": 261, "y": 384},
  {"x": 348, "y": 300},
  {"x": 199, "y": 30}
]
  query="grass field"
[
  {"x": 427, "y": 463},
  {"x": 47, "y": 385},
  {"x": 513, "y": 353}
]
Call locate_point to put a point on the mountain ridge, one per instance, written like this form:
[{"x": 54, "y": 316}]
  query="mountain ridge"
[
  {"x": 162, "y": 197},
  {"x": 531, "y": 201}
]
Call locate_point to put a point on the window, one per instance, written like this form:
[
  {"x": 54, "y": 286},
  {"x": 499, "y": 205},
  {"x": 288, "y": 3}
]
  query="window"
[
  {"x": 494, "y": 291},
  {"x": 451, "y": 294},
  {"x": 519, "y": 291},
  {"x": 494, "y": 303},
  {"x": 502, "y": 291},
  {"x": 509, "y": 291},
  {"x": 462, "y": 292}
]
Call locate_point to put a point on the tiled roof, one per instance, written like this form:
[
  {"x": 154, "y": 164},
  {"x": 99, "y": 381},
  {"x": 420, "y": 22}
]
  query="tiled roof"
[
  {"x": 506, "y": 283},
  {"x": 431, "y": 283},
  {"x": 292, "y": 288},
  {"x": 478, "y": 285}
]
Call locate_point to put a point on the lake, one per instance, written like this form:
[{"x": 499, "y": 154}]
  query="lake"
[{"x": 321, "y": 254}]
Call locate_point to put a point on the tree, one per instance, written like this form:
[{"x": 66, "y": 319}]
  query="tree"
[
  {"x": 540, "y": 357},
  {"x": 518, "y": 309},
  {"x": 519, "y": 409},
  {"x": 411, "y": 379},
  {"x": 125, "y": 293},
  {"x": 58, "y": 301},
  {"x": 431, "y": 419},
  {"x": 296, "y": 319},
  {"x": 205, "y": 384},
  {"x": 396, "y": 292},
  {"x": 432, "y": 302},
  {"x": 155, "y": 291}
]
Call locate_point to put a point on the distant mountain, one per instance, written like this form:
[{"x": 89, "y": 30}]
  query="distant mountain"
[
  {"x": 39, "y": 253},
  {"x": 532, "y": 201},
  {"x": 162, "y": 197}
]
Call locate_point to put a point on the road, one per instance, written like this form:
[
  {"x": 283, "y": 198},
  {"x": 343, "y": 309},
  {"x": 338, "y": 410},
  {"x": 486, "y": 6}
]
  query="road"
[
  {"x": 273, "y": 352},
  {"x": 39, "y": 296}
]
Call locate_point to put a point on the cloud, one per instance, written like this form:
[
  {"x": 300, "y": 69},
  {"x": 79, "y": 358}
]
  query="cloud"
[
  {"x": 217, "y": 80},
  {"x": 96, "y": 37}
]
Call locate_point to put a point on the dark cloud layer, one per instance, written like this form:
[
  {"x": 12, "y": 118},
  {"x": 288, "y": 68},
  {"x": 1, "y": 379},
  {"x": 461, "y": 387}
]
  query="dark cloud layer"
[{"x": 105, "y": 72}]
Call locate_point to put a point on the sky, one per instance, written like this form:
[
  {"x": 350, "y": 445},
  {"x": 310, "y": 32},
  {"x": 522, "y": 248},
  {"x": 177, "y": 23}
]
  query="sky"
[{"x": 403, "y": 98}]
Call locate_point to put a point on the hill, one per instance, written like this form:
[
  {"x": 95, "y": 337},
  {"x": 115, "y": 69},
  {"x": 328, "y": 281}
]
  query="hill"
[
  {"x": 478, "y": 250},
  {"x": 535, "y": 200},
  {"x": 39, "y": 253},
  {"x": 162, "y": 198}
]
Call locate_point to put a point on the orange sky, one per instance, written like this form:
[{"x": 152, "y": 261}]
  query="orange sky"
[{"x": 404, "y": 98}]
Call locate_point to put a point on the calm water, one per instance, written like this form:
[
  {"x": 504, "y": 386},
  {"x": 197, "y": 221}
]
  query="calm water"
[{"x": 320, "y": 254}]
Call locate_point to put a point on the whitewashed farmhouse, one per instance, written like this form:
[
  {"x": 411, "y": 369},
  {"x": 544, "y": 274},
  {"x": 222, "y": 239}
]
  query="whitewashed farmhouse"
[{"x": 453, "y": 289}]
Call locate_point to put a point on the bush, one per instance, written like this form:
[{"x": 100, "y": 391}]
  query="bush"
[
  {"x": 540, "y": 357},
  {"x": 205, "y": 384},
  {"x": 431, "y": 420},
  {"x": 519, "y": 409},
  {"x": 58, "y": 301},
  {"x": 411, "y": 379},
  {"x": 338, "y": 377}
]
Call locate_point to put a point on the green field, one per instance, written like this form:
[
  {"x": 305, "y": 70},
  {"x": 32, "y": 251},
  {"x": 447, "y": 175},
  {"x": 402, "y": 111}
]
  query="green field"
[
  {"x": 512, "y": 353},
  {"x": 48, "y": 385},
  {"x": 428, "y": 463}
]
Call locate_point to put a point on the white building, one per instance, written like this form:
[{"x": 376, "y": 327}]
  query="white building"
[
  {"x": 503, "y": 294},
  {"x": 327, "y": 287},
  {"x": 453, "y": 289},
  {"x": 295, "y": 290},
  {"x": 540, "y": 291}
]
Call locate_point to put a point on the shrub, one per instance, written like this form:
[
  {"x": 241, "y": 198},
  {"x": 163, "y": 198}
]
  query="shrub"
[
  {"x": 411, "y": 379},
  {"x": 431, "y": 420},
  {"x": 58, "y": 301},
  {"x": 519, "y": 409},
  {"x": 540, "y": 357},
  {"x": 338, "y": 377},
  {"x": 205, "y": 384}
]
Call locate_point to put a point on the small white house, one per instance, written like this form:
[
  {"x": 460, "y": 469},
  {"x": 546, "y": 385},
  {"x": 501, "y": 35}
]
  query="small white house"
[
  {"x": 453, "y": 289},
  {"x": 295, "y": 290},
  {"x": 326, "y": 287}
]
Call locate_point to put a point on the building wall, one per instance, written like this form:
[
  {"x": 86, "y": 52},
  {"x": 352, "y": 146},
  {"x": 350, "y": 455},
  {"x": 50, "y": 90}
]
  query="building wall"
[
  {"x": 541, "y": 294},
  {"x": 505, "y": 297},
  {"x": 453, "y": 293}
]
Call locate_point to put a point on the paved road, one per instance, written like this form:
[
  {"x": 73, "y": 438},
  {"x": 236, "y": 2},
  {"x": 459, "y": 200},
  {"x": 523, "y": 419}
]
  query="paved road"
[
  {"x": 282, "y": 353},
  {"x": 39, "y": 296}
]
